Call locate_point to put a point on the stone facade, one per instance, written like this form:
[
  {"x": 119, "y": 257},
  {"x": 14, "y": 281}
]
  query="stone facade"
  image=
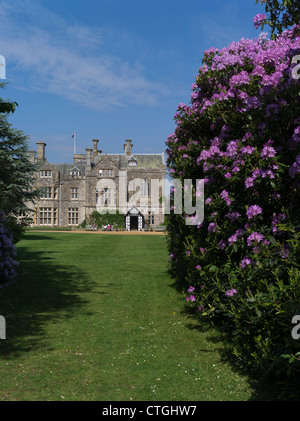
[{"x": 130, "y": 183}]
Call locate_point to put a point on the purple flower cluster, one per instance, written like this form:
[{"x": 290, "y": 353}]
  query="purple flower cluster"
[
  {"x": 235, "y": 236},
  {"x": 240, "y": 79},
  {"x": 255, "y": 237},
  {"x": 247, "y": 149},
  {"x": 8, "y": 253},
  {"x": 212, "y": 227},
  {"x": 258, "y": 19},
  {"x": 295, "y": 167},
  {"x": 246, "y": 261},
  {"x": 233, "y": 216},
  {"x": 225, "y": 196},
  {"x": 253, "y": 211},
  {"x": 230, "y": 292},
  {"x": 276, "y": 220},
  {"x": 260, "y": 172},
  {"x": 268, "y": 152},
  {"x": 191, "y": 297}
]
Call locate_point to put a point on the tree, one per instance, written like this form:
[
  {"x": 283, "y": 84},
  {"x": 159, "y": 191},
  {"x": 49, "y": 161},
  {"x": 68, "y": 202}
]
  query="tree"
[
  {"x": 16, "y": 174},
  {"x": 7, "y": 107},
  {"x": 280, "y": 14}
]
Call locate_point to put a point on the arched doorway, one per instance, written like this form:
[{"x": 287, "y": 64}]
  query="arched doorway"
[{"x": 134, "y": 220}]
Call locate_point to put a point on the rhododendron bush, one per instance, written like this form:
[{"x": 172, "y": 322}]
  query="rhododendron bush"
[
  {"x": 8, "y": 264},
  {"x": 240, "y": 134}
]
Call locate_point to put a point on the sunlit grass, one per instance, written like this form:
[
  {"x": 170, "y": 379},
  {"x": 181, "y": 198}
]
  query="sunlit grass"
[{"x": 97, "y": 317}]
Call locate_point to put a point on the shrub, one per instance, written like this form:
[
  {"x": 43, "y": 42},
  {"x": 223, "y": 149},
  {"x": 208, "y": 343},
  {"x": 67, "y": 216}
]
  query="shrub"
[
  {"x": 116, "y": 219},
  {"x": 8, "y": 253},
  {"x": 241, "y": 135}
]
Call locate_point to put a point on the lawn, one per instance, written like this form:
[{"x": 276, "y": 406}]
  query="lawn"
[{"x": 96, "y": 317}]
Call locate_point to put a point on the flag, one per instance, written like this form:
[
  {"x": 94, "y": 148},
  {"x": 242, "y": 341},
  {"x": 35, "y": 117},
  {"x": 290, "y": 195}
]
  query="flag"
[{"x": 73, "y": 135}]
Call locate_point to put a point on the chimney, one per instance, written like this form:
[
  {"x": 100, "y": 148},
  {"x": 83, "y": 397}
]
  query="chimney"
[
  {"x": 41, "y": 151},
  {"x": 128, "y": 147},
  {"x": 88, "y": 159},
  {"x": 95, "y": 142},
  {"x": 96, "y": 152}
]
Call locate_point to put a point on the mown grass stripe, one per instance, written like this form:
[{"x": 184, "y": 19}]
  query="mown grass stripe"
[{"x": 97, "y": 317}]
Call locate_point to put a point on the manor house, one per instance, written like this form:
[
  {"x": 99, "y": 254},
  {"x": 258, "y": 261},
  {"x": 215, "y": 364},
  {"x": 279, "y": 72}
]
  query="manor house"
[{"x": 130, "y": 182}]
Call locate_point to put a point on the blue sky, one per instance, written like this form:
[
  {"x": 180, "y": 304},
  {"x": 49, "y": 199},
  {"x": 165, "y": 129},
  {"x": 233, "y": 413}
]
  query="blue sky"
[{"x": 109, "y": 69}]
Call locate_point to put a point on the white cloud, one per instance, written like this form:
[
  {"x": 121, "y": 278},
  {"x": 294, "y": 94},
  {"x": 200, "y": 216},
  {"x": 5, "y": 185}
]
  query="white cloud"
[{"x": 46, "y": 53}]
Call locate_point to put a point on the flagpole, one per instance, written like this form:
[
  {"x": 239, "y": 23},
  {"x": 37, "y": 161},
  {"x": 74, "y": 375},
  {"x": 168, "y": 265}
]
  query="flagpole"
[{"x": 74, "y": 136}]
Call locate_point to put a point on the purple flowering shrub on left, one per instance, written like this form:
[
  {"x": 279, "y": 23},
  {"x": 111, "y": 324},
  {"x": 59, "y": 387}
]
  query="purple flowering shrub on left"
[
  {"x": 241, "y": 135},
  {"x": 8, "y": 254}
]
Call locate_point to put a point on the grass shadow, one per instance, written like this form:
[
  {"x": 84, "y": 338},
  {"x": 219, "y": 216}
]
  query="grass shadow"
[
  {"x": 44, "y": 290},
  {"x": 263, "y": 388},
  {"x": 33, "y": 236}
]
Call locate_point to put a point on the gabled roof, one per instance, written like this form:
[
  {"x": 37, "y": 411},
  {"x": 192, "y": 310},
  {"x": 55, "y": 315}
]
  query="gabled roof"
[
  {"x": 133, "y": 211},
  {"x": 143, "y": 160},
  {"x": 105, "y": 161},
  {"x": 75, "y": 168},
  {"x": 65, "y": 169}
]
